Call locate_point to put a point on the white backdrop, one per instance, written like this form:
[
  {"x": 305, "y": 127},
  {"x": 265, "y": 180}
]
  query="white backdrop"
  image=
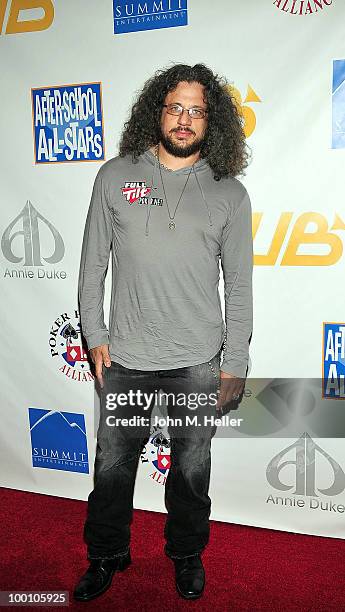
[{"x": 282, "y": 67}]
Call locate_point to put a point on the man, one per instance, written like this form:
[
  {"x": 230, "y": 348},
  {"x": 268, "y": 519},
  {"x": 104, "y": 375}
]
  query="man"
[{"x": 169, "y": 208}]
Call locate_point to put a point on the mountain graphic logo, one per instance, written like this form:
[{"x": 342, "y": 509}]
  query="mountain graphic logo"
[{"x": 58, "y": 440}]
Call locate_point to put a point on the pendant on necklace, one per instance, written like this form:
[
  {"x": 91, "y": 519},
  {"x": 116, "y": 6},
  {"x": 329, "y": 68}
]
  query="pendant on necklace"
[{"x": 172, "y": 225}]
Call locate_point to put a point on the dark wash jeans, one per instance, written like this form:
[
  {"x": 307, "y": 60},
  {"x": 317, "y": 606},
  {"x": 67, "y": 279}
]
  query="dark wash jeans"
[{"x": 110, "y": 504}]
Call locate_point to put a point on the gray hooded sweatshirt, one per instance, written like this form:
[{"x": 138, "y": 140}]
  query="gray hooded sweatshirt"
[{"x": 165, "y": 309}]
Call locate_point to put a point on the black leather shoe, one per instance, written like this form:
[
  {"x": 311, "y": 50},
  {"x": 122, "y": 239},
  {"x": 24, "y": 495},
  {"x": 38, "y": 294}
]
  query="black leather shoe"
[
  {"x": 190, "y": 577},
  {"x": 99, "y": 576}
]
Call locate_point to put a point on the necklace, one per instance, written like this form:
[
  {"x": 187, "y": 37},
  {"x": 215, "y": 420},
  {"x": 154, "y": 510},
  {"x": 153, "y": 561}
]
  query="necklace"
[
  {"x": 156, "y": 154},
  {"x": 172, "y": 224}
]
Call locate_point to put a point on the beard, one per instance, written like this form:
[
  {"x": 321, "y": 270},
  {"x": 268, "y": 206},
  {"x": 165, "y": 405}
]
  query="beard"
[{"x": 180, "y": 150}]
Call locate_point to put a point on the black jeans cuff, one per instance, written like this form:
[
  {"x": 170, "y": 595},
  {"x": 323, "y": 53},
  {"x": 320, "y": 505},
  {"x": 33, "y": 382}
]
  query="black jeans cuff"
[
  {"x": 172, "y": 555},
  {"x": 124, "y": 553}
]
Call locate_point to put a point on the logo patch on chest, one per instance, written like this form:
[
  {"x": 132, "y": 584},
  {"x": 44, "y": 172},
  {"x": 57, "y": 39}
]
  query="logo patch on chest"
[{"x": 136, "y": 191}]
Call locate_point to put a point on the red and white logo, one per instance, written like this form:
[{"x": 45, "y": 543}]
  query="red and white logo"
[
  {"x": 68, "y": 347},
  {"x": 163, "y": 460},
  {"x": 134, "y": 191}
]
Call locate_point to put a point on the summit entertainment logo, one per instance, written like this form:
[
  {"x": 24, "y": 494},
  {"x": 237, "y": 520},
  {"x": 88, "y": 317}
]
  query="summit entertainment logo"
[
  {"x": 152, "y": 15},
  {"x": 58, "y": 440}
]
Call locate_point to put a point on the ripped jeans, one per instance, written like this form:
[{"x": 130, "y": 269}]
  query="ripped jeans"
[{"x": 110, "y": 504}]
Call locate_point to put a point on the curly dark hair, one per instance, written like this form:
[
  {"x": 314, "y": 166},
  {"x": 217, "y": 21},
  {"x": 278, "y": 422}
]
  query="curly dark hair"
[{"x": 224, "y": 145}]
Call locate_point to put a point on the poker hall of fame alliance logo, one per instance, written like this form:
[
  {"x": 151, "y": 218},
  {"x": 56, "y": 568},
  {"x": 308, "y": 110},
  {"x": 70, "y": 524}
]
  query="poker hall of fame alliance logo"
[{"x": 68, "y": 348}]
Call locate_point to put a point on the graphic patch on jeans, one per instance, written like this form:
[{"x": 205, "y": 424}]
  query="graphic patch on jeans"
[
  {"x": 137, "y": 191},
  {"x": 157, "y": 452}
]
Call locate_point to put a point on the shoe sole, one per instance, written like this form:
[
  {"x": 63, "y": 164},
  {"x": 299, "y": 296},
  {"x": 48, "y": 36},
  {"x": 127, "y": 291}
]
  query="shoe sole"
[{"x": 105, "y": 587}]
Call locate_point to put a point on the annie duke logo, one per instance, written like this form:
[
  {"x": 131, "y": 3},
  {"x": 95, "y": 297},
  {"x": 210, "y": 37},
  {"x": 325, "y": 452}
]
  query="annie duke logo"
[
  {"x": 302, "y": 7},
  {"x": 68, "y": 123},
  {"x": 68, "y": 347},
  {"x": 152, "y": 15},
  {"x": 305, "y": 469},
  {"x": 58, "y": 440},
  {"x": 34, "y": 245},
  {"x": 333, "y": 376}
]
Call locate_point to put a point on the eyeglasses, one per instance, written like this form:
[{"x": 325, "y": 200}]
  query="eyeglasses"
[{"x": 177, "y": 109}]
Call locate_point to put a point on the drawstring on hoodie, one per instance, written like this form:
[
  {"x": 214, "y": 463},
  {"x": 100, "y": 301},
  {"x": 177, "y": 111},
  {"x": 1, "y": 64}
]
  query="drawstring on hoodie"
[
  {"x": 203, "y": 197},
  {"x": 148, "y": 210},
  {"x": 155, "y": 187}
]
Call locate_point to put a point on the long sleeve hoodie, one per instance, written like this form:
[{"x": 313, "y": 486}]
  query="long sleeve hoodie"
[{"x": 165, "y": 309}]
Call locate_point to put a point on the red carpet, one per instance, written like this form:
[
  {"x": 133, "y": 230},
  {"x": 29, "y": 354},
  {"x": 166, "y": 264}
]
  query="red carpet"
[{"x": 247, "y": 568}]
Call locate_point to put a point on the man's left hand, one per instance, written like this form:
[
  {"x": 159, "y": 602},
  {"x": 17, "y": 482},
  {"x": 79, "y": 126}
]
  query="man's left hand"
[{"x": 231, "y": 387}]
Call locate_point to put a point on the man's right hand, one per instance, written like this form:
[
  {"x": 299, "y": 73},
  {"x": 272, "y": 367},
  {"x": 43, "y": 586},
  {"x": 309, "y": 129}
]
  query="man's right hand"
[{"x": 100, "y": 355}]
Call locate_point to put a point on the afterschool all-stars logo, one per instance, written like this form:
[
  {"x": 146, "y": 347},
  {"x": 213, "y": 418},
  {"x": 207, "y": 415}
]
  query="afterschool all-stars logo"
[
  {"x": 333, "y": 363},
  {"x": 68, "y": 123}
]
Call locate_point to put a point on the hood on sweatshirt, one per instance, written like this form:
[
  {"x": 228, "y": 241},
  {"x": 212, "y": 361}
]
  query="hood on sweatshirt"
[{"x": 200, "y": 165}]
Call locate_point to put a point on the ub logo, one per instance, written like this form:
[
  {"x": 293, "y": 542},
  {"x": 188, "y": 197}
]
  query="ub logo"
[
  {"x": 323, "y": 233},
  {"x": 245, "y": 111},
  {"x": 17, "y": 8}
]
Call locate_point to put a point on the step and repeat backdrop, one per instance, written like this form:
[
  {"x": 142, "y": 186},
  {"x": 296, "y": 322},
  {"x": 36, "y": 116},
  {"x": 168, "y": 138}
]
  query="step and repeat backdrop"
[{"x": 71, "y": 70}]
